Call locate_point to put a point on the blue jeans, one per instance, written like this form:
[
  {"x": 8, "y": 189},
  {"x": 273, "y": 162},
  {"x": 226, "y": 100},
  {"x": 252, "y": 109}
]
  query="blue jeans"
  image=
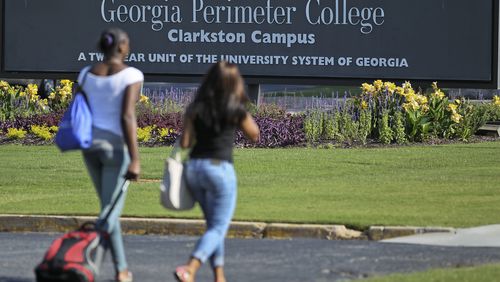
[
  {"x": 107, "y": 162},
  {"x": 213, "y": 185}
]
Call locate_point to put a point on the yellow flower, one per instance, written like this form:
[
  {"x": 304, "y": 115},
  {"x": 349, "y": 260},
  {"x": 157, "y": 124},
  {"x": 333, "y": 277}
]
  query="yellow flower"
[
  {"x": 435, "y": 85},
  {"x": 378, "y": 84},
  {"x": 164, "y": 132},
  {"x": 32, "y": 89},
  {"x": 425, "y": 108},
  {"x": 438, "y": 94},
  {"x": 34, "y": 98},
  {"x": 4, "y": 85},
  {"x": 367, "y": 88},
  {"x": 66, "y": 82},
  {"x": 407, "y": 85},
  {"x": 458, "y": 101},
  {"x": 456, "y": 117},
  {"x": 22, "y": 94},
  {"x": 496, "y": 100},
  {"x": 52, "y": 95},
  {"x": 14, "y": 133},
  {"x": 42, "y": 132},
  {"x": 144, "y": 99},
  {"x": 452, "y": 107},
  {"x": 43, "y": 103},
  {"x": 391, "y": 87},
  {"x": 411, "y": 106},
  {"x": 400, "y": 91},
  {"x": 364, "y": 105},
  {"x": 421, "y": 99}
]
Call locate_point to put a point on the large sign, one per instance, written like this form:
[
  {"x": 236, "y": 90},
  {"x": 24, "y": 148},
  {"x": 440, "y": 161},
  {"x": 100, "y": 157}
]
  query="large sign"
[{"x": 446, "y": 40}]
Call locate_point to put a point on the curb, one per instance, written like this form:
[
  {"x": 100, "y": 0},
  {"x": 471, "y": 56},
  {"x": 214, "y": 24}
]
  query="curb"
[
  {"x": 243, "y": 230},
  {"x": 377, "y": 233}
]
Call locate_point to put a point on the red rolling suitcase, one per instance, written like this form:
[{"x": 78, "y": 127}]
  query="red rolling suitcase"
[{"x": 77, "y": 256}]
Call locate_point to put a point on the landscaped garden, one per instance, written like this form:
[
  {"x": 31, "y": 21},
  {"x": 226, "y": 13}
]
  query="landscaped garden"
[{"x": 383, "y": 114}]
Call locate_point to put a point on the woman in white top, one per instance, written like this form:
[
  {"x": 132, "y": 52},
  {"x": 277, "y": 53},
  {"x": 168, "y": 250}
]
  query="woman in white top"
[{"x": 113, "y": 89}]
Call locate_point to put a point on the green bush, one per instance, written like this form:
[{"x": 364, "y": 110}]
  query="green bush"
[{"x": 16, "y": 134}]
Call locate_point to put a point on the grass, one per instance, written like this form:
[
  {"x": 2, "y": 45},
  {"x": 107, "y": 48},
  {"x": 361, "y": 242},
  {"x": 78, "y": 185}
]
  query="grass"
[
  {"x": 470, "y": 274},
  {"x": 451, "y": 185}
]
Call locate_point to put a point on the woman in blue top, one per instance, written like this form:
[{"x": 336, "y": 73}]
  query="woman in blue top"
[{"x": 209, "y": 128}]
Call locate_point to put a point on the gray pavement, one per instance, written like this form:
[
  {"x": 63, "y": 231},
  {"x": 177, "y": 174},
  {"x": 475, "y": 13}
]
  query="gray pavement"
[
  {"x": 153, "y": 258},
  {"x": 483, "y": 236}
]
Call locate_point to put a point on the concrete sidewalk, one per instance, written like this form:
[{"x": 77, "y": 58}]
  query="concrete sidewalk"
[
  {"x": 484, "y": 236},
  {"x": 243, "y": 230}
]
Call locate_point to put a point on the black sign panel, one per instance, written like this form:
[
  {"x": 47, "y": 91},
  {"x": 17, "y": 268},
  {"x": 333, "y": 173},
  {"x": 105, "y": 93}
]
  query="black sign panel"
[{"x": 331, "y": 39}]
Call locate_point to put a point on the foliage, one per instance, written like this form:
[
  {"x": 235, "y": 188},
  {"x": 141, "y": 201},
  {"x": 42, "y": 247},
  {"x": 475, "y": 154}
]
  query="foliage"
[
  {"x": 399, "y": 129},
  {"x": 267, "y": 110},
  {"x": 382, "y": 113},
  {"x": 144, "y": 134},
  {"x": 44, "y": 132},
  {"x": 17, "y": 101},
  {"x": 385, "y": 131},
  {"x": 16, "y": 134},
  {"x": 386, "y": 113},
  {"x": 60, "y": 97},
  {"x": 275, "y": 133}
]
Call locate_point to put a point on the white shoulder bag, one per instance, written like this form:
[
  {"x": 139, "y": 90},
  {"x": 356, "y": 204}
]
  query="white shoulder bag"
[{"x": 174, "y": 192}]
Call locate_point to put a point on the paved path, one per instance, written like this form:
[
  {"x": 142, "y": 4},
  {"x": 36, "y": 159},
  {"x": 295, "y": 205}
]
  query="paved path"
[
  {"x": 484, "y": 236},
  {"x": 152, "y": 258}
]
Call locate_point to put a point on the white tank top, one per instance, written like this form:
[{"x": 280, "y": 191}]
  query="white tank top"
[{"x": 105, "y": 95}]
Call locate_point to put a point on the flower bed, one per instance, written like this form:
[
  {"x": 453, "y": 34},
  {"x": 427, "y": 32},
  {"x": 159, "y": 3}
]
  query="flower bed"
[
  {"x": 387, "y": 114},
  {"x": 383, "y": 114}
]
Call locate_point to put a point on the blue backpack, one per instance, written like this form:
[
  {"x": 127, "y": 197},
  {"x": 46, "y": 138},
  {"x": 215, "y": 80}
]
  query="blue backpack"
[{"x": 75, "y": 128}]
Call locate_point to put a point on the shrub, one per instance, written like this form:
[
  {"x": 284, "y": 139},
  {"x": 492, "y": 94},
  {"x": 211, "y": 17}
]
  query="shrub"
[
  {"x": 51, "y": 119},
  {"x": 365, "y": 125},
  {"x": 385, "y": 131},
  {"x": 16, "y": 134},
  {"x": 144, "y": 134},
  {"x": 274, "y": 133},
  {"x": 44, "y": 132},
  {"x": 268, "y": 110},
  {"x": 60, "y": 97},
  {"x": 167, "y": 135},
  {"x": 17, "y": 101},
  {"x": 399, "y": 129},
  {"x": 313, "y": 125}
]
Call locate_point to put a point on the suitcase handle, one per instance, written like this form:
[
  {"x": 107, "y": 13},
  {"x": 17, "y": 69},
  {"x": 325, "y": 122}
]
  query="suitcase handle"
[{"x": 107, "y": 212}]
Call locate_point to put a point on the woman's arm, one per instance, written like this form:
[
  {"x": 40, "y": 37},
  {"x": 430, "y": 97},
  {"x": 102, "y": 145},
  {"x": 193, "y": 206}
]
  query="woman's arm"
[
  {"x": 129, "y": 124},
  {"x": 250, "y": 128},
  {"x": 188, "y": 134}
]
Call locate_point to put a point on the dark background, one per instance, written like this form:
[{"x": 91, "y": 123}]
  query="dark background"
[{"x": 450, "y": 40}]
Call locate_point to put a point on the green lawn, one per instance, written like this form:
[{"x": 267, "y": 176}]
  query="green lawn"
[
  {"x": 472, "y": 274},
  {"x": 452, "y": 185}
]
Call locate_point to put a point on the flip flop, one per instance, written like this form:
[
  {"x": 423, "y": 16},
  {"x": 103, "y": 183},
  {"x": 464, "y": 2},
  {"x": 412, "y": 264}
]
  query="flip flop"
[{"x": 182, "y": 274}]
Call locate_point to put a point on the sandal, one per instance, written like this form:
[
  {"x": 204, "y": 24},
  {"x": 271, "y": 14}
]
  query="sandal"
[
  {"x": 182, "y": 274},
  {"x": 129, "y": 278}
]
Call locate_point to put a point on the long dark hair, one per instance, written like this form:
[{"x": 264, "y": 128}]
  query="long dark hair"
[{"x": 220, "y": 98}]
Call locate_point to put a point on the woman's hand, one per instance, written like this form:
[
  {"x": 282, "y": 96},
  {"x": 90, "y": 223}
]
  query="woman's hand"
[{"x": 134, "y": 170}]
